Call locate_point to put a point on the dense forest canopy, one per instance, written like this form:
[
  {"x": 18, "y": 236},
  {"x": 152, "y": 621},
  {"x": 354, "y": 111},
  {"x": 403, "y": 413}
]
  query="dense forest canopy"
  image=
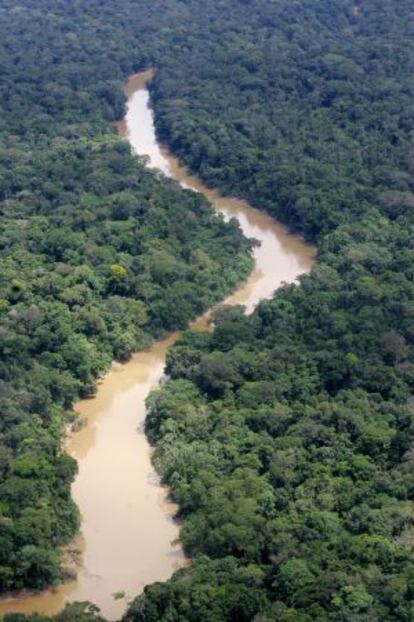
[
  {"x": 286, "y": 437},
  {"x": 99, "y": 256}
]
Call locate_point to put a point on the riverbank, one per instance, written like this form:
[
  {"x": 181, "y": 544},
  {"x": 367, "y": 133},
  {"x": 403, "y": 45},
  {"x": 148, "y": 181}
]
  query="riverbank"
[{"x": 127, "y": 520}]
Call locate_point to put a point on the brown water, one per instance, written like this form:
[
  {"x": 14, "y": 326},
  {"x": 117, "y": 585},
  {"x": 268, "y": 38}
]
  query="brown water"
[{"x": 128, "y": 537}]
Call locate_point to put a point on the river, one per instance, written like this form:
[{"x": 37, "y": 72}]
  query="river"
[{"x": 128, "y": 533}]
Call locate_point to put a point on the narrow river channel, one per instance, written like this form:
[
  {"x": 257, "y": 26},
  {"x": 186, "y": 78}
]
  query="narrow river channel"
[{"x": 128, "y": 535}]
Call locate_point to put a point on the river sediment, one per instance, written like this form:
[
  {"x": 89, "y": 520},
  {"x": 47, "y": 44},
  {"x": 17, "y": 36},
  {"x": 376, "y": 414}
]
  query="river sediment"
[{"x": 128, "y": 534}]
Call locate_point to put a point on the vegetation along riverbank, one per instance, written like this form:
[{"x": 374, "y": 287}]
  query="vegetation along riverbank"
[{"x": 285, "y": 436}]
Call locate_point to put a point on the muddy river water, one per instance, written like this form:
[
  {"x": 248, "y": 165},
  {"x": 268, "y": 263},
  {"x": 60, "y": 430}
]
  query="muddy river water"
[{"x": 128, "y": 534}]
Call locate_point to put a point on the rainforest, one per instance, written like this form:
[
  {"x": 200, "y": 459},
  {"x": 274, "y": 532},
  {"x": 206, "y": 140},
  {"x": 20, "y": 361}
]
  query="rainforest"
[{"x": 286, "y": 435}]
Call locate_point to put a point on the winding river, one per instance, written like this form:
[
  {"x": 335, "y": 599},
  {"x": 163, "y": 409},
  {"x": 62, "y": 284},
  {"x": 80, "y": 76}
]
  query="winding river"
[{"x": 128, "y": 534}]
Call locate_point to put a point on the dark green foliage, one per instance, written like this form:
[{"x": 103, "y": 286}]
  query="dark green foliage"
[
  {"x": 99, "y": 256},
  {"x": 303, "y": 108},
  {"x": 287, "y": 437},
  {"x": 220, "y": 590},
  {"x": 75, "y": 612}
]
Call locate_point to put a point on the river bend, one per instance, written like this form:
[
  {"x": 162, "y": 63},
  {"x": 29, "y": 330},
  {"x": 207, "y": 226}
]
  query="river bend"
[{"x": 128, "y": 534}]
